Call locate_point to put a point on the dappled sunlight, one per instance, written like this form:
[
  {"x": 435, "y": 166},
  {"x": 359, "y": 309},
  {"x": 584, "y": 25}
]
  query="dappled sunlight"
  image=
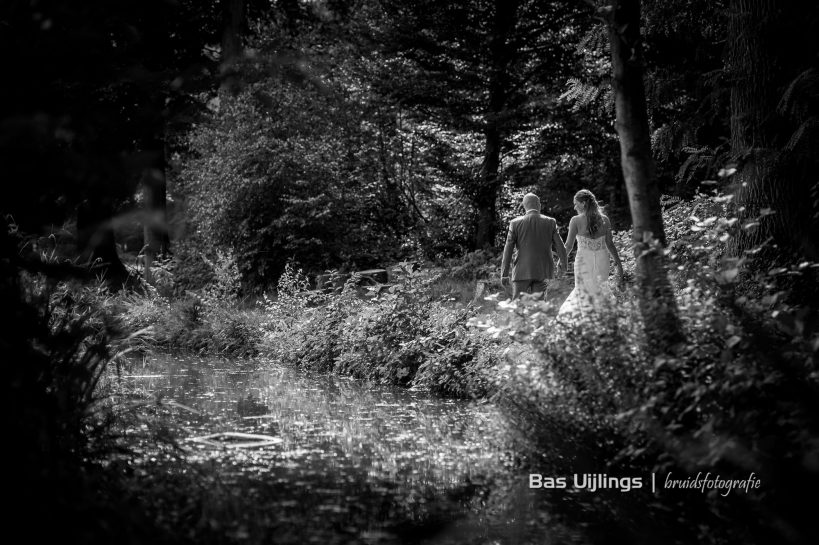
[{"x": 266, "y": 268}]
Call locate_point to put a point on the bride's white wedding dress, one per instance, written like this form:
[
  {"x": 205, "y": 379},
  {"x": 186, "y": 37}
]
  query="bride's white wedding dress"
[{"x": 591, "y": 278}]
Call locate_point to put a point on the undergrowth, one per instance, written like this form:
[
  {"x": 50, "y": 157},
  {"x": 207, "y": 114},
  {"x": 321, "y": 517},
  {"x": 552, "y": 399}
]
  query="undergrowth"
[
  {"x": 398, "y": 334},
  {"x": 736, "y": 397}
]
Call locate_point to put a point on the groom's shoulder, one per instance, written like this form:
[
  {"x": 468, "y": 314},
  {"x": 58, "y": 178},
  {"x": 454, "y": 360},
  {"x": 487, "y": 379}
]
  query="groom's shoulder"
[{"x": 550, "y": 219}]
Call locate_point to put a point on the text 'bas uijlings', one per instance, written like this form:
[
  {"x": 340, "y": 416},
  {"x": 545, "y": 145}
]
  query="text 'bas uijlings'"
[{"x": 587, "y": 481}]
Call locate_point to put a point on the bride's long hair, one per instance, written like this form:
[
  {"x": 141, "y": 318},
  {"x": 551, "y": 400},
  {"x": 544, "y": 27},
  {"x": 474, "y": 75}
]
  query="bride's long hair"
[{"x": 593, "y": 213}]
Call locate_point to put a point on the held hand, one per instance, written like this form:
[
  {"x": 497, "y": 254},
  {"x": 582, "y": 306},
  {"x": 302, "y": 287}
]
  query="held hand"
[{"x": 561, "y": 270}]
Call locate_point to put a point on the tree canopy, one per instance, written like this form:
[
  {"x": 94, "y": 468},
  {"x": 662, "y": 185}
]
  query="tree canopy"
[{"x": 355, "y": 133}]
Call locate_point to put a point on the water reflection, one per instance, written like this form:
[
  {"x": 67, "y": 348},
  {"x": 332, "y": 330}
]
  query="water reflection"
[
  {"x": 327, "y": 421},
  {"x": 348, "y": 459}
]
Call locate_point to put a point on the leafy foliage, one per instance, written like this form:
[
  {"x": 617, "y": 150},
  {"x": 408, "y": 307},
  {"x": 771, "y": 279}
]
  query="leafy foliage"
[
  {"x": 56, "y": 349},
  {"x": 736, "y": 396},
  {"x": 283, "y": 171},
  {"x": 398, "y": 334},
  {"x": 207, "y": 321}
]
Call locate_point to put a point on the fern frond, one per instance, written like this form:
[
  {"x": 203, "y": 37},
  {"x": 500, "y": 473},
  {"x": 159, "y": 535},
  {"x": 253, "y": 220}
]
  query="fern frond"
[
  {"x": 595, "y": 40},
  {"x": 667, "y": 139},
  {"x": 691, "y": 166},
  {"x": 800, "y": 94},
  {"x": 803, "y": 137},
  {"x": 669, "y": 201},
  {"x": 581, "y": 94}
]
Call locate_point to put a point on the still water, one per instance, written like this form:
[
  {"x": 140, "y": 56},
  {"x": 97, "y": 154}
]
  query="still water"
[{"x": 325, "y": 459}]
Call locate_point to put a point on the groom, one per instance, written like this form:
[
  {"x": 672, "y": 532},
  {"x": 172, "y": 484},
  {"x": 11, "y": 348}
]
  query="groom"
[{"x": 534, "y": 235}]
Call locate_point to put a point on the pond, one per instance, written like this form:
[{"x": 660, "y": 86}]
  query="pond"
[{"x": 290, "y": 457}]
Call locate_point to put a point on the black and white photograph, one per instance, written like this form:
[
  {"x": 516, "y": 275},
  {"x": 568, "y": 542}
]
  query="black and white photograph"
[{"x": 410, "y": 272}]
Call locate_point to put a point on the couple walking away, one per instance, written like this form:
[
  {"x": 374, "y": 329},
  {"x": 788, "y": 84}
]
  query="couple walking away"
[{"x": 533, "y": 236}]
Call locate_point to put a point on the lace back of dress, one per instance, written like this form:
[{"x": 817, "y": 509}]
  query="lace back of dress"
[{"x": 593, "y": 244}]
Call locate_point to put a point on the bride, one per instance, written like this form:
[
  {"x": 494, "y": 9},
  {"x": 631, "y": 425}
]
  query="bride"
[{"x": 592, "y": 230}]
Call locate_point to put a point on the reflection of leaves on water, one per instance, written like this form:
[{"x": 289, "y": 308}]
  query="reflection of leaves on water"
[
  {"x": 250, "y": 406},
  {"x": 237, "y": 440},
  {"x": 351, "y": 461}
]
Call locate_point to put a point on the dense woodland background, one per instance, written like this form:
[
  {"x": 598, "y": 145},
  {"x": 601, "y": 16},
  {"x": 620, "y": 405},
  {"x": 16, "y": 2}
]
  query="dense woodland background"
[
  {"x": 168, "y": 163},
  {"x": 355, "y": 134}
]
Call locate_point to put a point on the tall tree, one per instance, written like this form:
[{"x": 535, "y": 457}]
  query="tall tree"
[
  {"x": 157, "y": 242},
  {"x": 234, "y": 23},
  {"x": 770, "y": 44},
  {"x": 656, "y": 297},
  {"x": 685, "y": 98},
  {"x": 292, "y": 166},
  {"x": 489, "y": 68},
  {"x": 502, "y": 50}
]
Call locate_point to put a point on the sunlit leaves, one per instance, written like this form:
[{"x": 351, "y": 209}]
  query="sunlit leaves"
[
  {"x": 727, "y": 172},
  {"x": 728, "y": 275}
]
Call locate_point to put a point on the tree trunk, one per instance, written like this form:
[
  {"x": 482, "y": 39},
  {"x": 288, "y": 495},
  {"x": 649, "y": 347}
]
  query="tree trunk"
[
  {"x": 95, "y": 235},
  {"x": 755, "y": 62},
  {"x": 487, "y": 192},
  {"x": 501, "y": 52},
  {"x": 657, "y": 301},
  {"x": 233, "y": 28},
  {"x": 155, "y": 226}
]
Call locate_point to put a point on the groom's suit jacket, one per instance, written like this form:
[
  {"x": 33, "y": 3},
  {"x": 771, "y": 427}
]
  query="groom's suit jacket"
[{"x": 533, "y": 235}]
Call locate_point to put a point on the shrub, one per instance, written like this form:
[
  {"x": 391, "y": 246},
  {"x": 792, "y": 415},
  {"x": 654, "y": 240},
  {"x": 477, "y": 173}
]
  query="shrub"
[
  {"x": 208, "y": 321},
  {"x": 457, "y": 360},
  {"x": 396, "y": 334},
  {"x": 283, "y": 171},
  {"x": 378, "y": 341}
]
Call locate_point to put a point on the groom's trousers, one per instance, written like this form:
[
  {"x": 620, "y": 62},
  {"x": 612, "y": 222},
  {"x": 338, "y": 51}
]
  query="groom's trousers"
[{"x": 528, "y": 286}]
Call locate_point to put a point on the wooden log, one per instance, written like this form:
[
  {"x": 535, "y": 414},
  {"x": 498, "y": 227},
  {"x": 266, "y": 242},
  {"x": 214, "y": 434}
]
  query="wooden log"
[{"x": 329, "y": 281}]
